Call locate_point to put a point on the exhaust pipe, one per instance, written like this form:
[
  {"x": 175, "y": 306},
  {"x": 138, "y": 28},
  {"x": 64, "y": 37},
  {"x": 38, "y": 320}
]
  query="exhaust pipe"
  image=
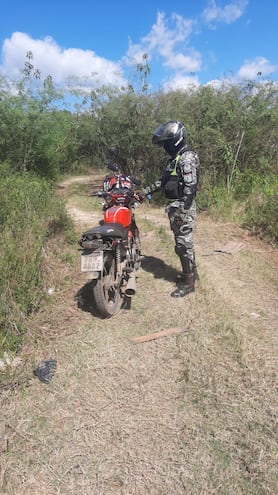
[{"x": 131, "y": 286}]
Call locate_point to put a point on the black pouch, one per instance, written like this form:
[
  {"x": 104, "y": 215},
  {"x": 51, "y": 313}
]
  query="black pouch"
[{"x": 173, "y": 188}]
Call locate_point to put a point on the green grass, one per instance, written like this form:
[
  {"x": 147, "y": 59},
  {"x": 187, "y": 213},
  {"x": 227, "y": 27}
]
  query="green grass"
[{"x": 30, "y": 214}]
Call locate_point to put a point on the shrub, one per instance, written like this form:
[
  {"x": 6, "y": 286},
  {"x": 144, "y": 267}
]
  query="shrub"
[
  {"x": 29, "y": 212},
  {"x": 261, "y": 209}
]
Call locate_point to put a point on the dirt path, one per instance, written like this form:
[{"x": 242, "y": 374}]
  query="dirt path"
[{"x": 187, "y": 414}]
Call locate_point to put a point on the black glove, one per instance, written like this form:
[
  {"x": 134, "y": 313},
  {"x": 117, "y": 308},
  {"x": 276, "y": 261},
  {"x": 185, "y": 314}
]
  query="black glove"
[{"x": 45, "y": 370}]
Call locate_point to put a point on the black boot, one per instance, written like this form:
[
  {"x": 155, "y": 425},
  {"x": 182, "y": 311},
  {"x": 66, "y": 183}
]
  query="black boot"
[
  {"x": 181, "y": 277},
  {"x": 186, "y": 282},
  {"x": 185, "y": 287},
  {"x": 187, "y": 267}
]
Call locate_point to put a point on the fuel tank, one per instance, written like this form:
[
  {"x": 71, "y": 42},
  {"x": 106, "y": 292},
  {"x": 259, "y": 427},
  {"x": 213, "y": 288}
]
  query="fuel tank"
[{"x": 118, "y": 214}]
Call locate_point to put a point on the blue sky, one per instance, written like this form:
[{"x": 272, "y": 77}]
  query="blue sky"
[{"x": 187, "y": 41}]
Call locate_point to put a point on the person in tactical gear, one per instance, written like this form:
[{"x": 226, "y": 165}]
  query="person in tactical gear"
[{"x": 179, "y": 183}]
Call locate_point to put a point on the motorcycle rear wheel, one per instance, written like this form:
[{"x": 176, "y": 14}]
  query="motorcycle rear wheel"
[{"x": 106, "y": 292}]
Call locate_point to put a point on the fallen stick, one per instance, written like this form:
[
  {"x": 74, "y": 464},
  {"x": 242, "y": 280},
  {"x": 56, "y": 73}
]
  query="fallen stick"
[{"x": 158, "y": 335}]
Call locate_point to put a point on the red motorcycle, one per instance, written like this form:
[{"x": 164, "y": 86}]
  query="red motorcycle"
[{"x": 111, "y": 252}]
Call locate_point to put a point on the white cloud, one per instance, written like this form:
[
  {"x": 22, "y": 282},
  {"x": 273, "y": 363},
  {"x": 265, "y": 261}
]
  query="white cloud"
[
  {"x": 135, "y": 54},
  {"x": 60, "y": 63},
  {"x": 228, "y": 14},
  {"x": 164, "y": 39},
  {"x": 169, "y": 41},
  {"x": 186, "y": 63},
  {"x": 259, "y": 66},
  {"x": 181, "y": 82}
]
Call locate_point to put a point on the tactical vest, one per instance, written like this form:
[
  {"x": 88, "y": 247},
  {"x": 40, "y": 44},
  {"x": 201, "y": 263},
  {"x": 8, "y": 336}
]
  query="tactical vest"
[{"x": 172, "y": 181}]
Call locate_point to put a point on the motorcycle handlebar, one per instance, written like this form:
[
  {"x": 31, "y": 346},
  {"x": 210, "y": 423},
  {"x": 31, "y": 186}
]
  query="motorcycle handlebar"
[
  {"x": 138, "y": 196},
  {"x": 98, "y": 194}
]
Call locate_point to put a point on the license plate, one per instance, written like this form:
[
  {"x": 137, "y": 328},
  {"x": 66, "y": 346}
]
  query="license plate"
[{"x": 92, "y": 262}]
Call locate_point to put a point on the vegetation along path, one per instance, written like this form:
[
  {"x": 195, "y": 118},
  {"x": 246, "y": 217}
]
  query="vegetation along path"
[{"x": 193, "y": 412}]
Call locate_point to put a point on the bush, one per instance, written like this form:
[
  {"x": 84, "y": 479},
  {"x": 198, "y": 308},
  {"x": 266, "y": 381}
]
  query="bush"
[
  {"x": 261, "y": 209},
  {"x": 29, "y": 212}
]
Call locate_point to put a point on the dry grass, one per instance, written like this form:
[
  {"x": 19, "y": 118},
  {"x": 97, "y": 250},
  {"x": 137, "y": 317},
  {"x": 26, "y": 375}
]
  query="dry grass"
[{"x": 189, "y": 414}]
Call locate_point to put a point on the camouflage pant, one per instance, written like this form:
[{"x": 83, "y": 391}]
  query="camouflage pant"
[{"x": 182, "y": 223}]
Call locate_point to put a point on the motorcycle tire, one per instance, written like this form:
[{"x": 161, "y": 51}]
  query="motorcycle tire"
[{"x": 106, "y": 291}]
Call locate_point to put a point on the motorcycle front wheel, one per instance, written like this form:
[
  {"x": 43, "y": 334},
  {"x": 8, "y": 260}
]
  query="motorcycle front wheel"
[{"x": 106, "y": 290}]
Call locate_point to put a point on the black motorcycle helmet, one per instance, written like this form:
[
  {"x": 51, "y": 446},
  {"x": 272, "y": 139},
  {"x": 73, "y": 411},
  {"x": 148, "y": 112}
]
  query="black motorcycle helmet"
[{"x": 171, "y": 136}]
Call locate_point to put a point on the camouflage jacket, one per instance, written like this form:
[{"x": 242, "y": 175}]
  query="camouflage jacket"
[{"x": 179, "y": 181}]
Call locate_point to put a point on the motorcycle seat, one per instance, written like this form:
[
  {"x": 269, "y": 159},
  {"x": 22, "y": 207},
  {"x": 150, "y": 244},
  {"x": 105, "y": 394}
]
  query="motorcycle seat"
[{"x": 108, "y": 230}]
